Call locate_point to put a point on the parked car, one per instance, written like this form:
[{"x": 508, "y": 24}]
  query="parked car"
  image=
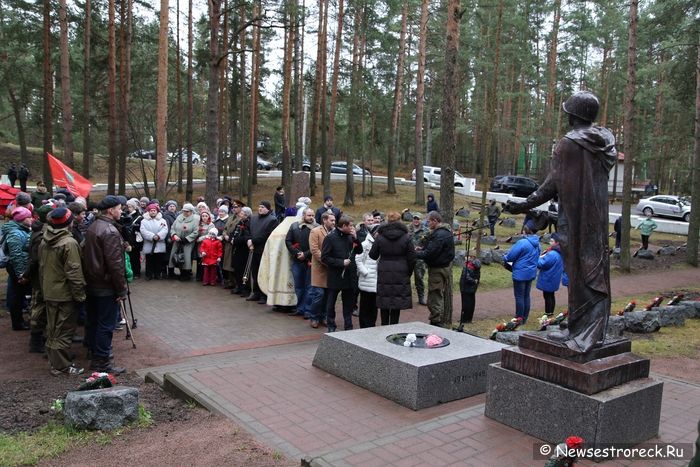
[
  {"x": 340, "y": 167},
  {"x": 196, "y": 158},
  {"x": 665, "y": 205},
  {"x": 514, "y": 184},
  {"x": 432, "y": 174},
  {"x": 261, "y": 163},
  {"x": 149, "y": 154},
  {"x": 305, "y": 166},
  {"x": 264, "y": 164}
]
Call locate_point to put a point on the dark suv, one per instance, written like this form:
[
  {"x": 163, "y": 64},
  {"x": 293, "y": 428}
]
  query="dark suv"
[{"x": 513, "y": 184}]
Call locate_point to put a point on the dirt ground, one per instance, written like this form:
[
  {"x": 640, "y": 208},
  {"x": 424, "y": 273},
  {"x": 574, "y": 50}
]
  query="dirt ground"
[{"x": 180, "y": 435}]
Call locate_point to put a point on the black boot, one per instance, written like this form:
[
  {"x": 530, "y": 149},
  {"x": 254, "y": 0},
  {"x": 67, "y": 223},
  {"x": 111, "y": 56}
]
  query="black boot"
[
  {"x": 105, "y": 365},
  {"x": 171, "y": 273},
  {"x": 36, "y": 342}
]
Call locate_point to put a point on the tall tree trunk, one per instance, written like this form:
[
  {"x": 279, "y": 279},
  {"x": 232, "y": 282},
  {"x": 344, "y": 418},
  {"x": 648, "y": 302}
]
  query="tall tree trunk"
[
  {"x": 325, "y": 159},
  {"x": 694, "y": 225},
  {"x": 550, "y": 114},
  {"x": 286, "y": 102},
  {"x": 66, "y": 101},
  {"x": 112, "y": 98},
  {"x": 517, "y": 141},
  {"x": 315, "y": 116},
  {"x": 629, "y": 136},
  {"x": 162, "y": 103},
  {"x": 223, "y": 109},
  {"x": 178, "y": 95},
  {"x": 212, "y": 169},
  {"x": 254, "y": 88},
  {"x": 396, "y": 109},
  {"x": 330, "y": 150},
  {"x": 189, "y": 189},
  {"x": 87, "y": 137},
  {"x": 123, "y": 92},
  {"x": 47, "y": 94},
  {"x": 299, "y": 15},
  {"x": 420, "y": 102},
  {"x": 491, "y": 122},
  {"x": 449, "y": 117},
  {"x": 18, "y": 112},
  {"x": 242, "y": 117}
]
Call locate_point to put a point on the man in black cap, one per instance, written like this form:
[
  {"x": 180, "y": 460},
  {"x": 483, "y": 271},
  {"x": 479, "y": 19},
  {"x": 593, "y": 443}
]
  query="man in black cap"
[
  {"x": 63, "y": 288},
  {"x": 327, "y": 206},
  {"x": 105, "y": 273},
  {"x": 261, "y": 226}
]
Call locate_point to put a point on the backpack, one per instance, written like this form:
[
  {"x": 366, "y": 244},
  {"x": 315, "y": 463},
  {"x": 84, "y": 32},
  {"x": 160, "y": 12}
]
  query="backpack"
[{"x": 4, "y": 257}]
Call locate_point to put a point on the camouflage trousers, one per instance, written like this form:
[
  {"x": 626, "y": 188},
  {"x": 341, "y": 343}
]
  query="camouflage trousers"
[{"x": 419, "y": 278}]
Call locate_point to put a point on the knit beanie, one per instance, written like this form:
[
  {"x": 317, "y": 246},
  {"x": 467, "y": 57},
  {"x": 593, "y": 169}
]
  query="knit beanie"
[
  {"x": 60, "y": 218},
  {"x": 20, "y": 213}
]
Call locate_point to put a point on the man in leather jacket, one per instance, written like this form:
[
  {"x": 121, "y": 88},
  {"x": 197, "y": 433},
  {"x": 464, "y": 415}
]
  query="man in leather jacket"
[{"x": 105, "y": 275}]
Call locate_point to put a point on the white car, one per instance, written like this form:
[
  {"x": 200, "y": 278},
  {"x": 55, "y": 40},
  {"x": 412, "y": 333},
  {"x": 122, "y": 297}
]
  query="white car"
[
  {"x": 665, "y": 205},
  {"x": 196, "y": 158},
  {"x": 432, "y": 175}
]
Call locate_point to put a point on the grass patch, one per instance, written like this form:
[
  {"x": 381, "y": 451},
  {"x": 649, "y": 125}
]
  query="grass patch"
[
  {"x": 670, "y": 341},
  {"x": 56, "y": 438},
  {"x": 49, "y": 441}
]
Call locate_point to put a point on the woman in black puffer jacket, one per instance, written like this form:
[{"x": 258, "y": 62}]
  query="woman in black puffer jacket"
[{"x": 394, "y": 250}]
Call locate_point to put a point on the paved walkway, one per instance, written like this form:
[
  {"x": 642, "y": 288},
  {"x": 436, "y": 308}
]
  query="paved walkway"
[{"x": 253, "y": 365}]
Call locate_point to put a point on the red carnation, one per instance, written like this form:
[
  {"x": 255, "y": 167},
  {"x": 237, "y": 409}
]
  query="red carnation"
[{"x": 574, "y": 442}]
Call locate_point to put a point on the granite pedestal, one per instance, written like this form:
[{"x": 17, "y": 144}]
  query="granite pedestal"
[
  {"x": 548, "y": 391},
  {"x": 416, "y": 378},
  {"x": 628, "y": 413}
]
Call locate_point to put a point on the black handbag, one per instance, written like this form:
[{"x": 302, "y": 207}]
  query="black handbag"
[{"x": 179, "y": 257}]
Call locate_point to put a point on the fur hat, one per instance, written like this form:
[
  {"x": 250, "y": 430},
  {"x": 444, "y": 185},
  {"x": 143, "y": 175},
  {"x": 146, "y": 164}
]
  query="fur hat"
[
  {"x": 134, "y": 203},
  {"x": 20, "y": 213},
  {"x": 223, "y": 208},
  {"x": 171, "y": 202},
  {"x": 144, "y": 199},
  {"x": 60, "y": 218},
  {"x": 188, "y": 207}
]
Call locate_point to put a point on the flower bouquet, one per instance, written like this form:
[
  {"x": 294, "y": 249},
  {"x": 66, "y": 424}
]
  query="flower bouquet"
[
  {"x": 675, "y": 300},
  {"x": 565, "y": 454},
  {"x": 628, "y": 308},
  {"x": 98, "y": 381},
  {"x": 656, "y": 302},
  {"x": 549, "y": 321},
  {"x": 433, "y": 340},
  {"x": 511, "y": 325}
]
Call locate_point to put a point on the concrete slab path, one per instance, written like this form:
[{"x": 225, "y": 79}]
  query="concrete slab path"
[{"x": 253, "y": 365}]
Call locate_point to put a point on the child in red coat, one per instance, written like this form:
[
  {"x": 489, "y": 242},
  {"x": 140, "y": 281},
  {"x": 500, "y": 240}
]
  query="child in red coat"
[{"x": 210, "y": 251}]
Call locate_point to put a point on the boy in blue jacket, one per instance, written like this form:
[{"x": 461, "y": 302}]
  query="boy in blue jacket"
[
  {"x": 522, "y": 261},
  {"x": 551, "y": 266}
]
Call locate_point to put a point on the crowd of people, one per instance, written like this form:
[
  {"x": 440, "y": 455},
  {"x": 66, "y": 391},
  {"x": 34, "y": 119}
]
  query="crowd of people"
[{"x": 75, "y": 260}]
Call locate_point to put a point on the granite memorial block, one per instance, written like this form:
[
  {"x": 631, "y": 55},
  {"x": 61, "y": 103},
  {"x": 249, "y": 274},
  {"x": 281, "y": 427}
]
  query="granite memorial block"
[{"x": 416, "y": 378}]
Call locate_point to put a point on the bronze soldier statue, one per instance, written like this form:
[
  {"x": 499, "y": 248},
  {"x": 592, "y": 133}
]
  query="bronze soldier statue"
[{"x": 579, "y": 177}]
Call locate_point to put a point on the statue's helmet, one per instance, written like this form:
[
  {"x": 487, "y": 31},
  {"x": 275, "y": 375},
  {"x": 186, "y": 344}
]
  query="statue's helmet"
[{"x": 582, "y": 104}]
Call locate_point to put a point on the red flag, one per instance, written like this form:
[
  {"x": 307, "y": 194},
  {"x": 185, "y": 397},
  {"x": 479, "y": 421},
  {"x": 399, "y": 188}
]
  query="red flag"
[{"x": 66, "y": 177}]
